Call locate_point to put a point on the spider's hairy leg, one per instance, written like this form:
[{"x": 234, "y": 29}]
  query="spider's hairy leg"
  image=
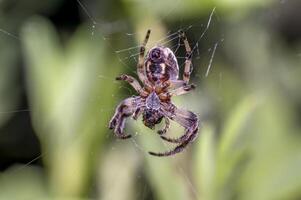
[
  {"x": 173, "y": 84},
  {"x": 133, "y": 82},
  {"x": 182, "y": 90},
  {"x": 140, "y": 65},
  {"x": 125, "y": 109},
  {"x": 137, "y": 113},
  {"x": 178, "y": 148},
  {"x": 187, "y": 68},
  {"x": 166, "y": 127},
  {"x": 189, "y": 121},
  {"x": 176, "y": 92}
]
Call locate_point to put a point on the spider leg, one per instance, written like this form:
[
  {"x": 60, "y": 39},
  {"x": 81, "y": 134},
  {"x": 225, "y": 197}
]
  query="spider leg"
[
  {"x": 182, "y": 90},
  {"x": 125, "y": 109},
  {"x": 187, "y": 68},
  {"x": 140, "y": 65},
  {"x": 120, "y": 127},
  {"x": 173, "y": 84},
  {"x": 166, "y": 127},
  {"x": 188, "y": 120},
  {"x": 137, "y": 113},
  {"x": 132, "y": 81},
  {"x": 176, "y": 92},
  {"x": 178, "y": 148}
]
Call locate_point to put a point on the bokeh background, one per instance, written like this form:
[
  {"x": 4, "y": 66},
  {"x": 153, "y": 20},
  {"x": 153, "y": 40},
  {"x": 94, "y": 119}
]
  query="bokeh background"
[{"x": 58, "y": 61}]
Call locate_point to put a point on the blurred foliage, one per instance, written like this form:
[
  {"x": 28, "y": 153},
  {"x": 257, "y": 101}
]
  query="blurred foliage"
[
  {"x": 8, "y": 88},
  {"x": 65, "y": 94},
  {"x": 249, "y": 105}
]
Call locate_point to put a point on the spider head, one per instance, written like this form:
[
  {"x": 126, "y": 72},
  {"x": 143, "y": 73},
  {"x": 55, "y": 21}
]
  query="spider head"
[{"x": 151, "y": 118}]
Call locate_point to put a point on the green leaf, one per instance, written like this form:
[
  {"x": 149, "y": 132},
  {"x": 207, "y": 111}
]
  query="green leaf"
[
  {"x": 67, "y": 100},
  {"x": 205, "y": 161}
]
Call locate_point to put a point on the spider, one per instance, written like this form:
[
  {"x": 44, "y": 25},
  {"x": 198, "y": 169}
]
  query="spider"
[{"x": 158, "y": 72}]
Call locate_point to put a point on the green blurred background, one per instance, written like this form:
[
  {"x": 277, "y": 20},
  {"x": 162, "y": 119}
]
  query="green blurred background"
[{"x": 58, "y": 63}]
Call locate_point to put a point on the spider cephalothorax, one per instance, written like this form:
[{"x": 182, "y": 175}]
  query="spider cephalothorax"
[
  {"x": 159, "y": 74},
  {"x": 152, "y": 114}
]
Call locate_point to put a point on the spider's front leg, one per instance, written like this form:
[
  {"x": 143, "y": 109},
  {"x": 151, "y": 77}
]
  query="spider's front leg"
[
  {"x": 137, "y": 113},
  {"x": 166, "y": 127},
  {"x": 179, "y": 148},
  {"x": 125, "y": 109},
  {"x": 189, "y": 121}
]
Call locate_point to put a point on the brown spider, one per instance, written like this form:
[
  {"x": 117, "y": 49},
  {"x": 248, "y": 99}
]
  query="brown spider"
[{"x": 159, "y": 74}]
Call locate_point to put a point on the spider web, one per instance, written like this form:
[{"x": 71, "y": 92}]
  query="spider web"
[
  {"x": 173, "y": 41},
  {"x": 127, "y": 57}
]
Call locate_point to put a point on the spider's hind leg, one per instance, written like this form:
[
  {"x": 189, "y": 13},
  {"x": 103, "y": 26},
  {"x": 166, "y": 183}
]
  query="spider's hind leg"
[
  {"x": 140, "y": 65},
  {"x": 188, "y": 67}
]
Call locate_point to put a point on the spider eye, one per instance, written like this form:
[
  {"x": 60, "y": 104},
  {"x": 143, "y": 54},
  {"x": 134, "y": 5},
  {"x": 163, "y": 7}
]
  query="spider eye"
[{"x": 147, "y": 114}]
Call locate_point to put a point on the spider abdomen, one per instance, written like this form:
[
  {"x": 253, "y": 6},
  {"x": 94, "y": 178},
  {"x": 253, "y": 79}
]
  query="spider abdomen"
[{"x": 161, "y": 65}]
